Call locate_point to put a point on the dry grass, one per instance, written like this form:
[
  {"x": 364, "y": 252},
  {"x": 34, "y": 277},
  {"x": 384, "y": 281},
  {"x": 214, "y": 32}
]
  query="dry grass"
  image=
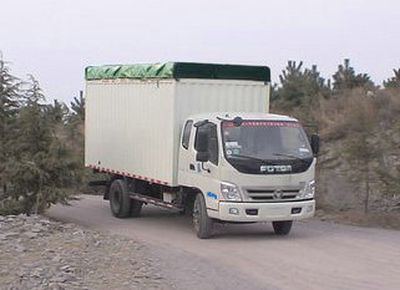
[
  {"x": 345, "y": 122},
  {"x": 350, "y": 112}
]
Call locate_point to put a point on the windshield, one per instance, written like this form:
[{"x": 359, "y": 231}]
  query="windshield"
[{"x": 265, "y": 142}]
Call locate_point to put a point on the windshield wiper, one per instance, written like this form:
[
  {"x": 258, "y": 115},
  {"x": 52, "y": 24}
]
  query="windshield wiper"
[
  {"x": 290, "y": 156},
  {"x": 247, "y": 157}
]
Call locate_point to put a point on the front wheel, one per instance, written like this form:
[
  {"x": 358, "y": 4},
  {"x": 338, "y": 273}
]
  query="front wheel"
[
  {"x": 203, "y": 225},
  {"x": 282, "y": 228}
]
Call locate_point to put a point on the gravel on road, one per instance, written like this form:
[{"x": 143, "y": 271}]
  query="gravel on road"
[{"x": 38, "y": 253}]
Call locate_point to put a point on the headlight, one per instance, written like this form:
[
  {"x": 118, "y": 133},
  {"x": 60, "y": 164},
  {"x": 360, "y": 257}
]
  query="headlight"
[
  {"x": 230, "y": 191},
  {"x": 308, "y": 191}
]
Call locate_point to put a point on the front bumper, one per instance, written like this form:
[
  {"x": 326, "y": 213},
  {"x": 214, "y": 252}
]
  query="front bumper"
[{"x": 263, "y": 212}]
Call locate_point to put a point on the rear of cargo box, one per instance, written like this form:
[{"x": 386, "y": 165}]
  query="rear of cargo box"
[{"x": 129, "y": 128}]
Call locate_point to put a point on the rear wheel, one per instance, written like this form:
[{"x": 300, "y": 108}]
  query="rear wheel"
[
  {"x": 120, "y": 202},
  {"x": 203, "y": 225},
  {"x": 282, "y": 228}
]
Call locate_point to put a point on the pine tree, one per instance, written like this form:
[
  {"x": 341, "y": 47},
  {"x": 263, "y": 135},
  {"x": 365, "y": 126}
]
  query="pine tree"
[
  {"x": 346, "y": 78},
  {"x": 41, "y": 167},
  {"x": 300, "y": 86},
  {"x": 300, "y": 92},
  {"x": 78, "y": 107},
  {"x": 393, "y": 82},
  {"x": 75, "y": 131},
  {"x": 10, "y": 93},
  {"x": 57, "y": 113}
]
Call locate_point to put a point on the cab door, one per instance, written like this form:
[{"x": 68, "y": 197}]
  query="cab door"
[{"x": 203, "y": 166}]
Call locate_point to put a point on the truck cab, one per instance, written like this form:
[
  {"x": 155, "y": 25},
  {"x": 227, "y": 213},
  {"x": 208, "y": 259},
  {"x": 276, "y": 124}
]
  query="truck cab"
[{"x": 248, "y": 167}]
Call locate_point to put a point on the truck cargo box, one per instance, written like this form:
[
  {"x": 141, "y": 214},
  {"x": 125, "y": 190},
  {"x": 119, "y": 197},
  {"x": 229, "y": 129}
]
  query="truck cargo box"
[{"x": 134, "y": 113}]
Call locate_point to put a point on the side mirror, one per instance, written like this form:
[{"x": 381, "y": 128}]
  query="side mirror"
[
  {"x": 315, "y": 144},
  {"x": 202, "y": 156},
  {"x": 201, "y": 142}
]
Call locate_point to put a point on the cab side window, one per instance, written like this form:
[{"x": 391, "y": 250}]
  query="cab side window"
[{"x": 186, "y": 134}]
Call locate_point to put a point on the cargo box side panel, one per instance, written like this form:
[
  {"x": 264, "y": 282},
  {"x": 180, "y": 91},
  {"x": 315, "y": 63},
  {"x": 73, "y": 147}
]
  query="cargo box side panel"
[{"x": 129, "y": 128}]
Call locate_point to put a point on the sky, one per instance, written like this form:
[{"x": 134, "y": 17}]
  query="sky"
[{"x": 54, "y": 40}]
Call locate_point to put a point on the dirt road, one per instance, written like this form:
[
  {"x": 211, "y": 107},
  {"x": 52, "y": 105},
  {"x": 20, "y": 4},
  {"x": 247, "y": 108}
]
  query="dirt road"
[{"x": 316, "y": 255}]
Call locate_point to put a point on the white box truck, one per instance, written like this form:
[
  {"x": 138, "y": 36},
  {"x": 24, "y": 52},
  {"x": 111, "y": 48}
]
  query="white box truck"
[{"x": 198, "y": 138}]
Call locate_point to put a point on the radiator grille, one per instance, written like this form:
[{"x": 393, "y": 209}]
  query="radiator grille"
[{"x": 272, "y": 194}]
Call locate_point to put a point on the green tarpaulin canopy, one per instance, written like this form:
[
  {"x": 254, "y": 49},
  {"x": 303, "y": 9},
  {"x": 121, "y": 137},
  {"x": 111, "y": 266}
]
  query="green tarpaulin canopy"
[{"x": 177, "y": 70}]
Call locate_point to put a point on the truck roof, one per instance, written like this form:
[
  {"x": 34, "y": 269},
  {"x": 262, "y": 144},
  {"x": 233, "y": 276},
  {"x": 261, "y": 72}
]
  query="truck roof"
[
  {"x": 178, "y": 70},
  {"x": 217, "y": 116}
]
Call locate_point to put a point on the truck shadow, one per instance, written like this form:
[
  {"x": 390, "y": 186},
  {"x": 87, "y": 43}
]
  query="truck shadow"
[{"x": 183, "y": 223}]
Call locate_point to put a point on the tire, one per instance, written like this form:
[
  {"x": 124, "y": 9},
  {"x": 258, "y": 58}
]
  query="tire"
[
  {"x": 120, "y": 202},
  {"x": 282, "y": 228},
  {"x": 202, "y": 224},
  {"x": 136, "y": 208}
]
